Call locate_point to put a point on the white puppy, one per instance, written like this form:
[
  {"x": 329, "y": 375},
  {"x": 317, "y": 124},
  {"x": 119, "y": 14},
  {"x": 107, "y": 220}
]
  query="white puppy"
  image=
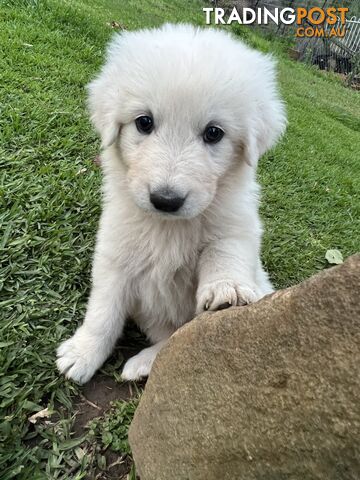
[{"x": 184, "y": 114}]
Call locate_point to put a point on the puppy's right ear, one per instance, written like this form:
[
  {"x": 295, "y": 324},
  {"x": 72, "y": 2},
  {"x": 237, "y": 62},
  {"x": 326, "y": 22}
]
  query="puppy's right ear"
[{"x": 102, "y": 105}]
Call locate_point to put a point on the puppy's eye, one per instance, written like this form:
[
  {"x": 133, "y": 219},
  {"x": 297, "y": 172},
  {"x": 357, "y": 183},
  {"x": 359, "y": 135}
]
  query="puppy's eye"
[
  {"x": 213, "y": 134},
  {"x": 144, "y": 124}
]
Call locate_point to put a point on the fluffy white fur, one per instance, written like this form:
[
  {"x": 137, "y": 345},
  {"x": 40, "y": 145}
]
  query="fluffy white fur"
[{"x": 158, "y": 268}]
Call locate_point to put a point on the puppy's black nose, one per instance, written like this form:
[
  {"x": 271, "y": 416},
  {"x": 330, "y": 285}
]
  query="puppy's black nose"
[{"x": 166, "y": 200}]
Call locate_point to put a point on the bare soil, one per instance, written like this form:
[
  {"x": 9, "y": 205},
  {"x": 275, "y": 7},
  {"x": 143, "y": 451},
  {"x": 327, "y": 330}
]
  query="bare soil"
[
  {"x": 94, "y": 401},
  {"x": 96, "y": 397}
]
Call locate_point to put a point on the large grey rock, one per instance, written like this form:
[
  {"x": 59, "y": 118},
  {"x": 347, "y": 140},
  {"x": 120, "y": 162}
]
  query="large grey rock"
[{"x": 269, "y": 391}]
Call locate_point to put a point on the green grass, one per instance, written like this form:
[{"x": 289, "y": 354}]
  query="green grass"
[
  {"x": 111, "y": 430},
  {"x": 49, "y": 194}
]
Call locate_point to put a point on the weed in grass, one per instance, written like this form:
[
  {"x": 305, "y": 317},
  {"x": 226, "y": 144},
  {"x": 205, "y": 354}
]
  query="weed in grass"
[{"x": 112, "y": 429}]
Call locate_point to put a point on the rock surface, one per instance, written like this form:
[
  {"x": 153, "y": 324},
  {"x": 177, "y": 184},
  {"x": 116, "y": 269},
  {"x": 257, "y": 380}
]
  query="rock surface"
[{"x": 269, "y": 391}]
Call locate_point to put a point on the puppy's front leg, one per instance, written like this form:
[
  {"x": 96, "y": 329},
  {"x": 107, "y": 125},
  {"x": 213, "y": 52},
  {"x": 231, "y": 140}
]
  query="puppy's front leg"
[
  {"x": 229, "y": 270},
  {"x": 85, "y": 352}
]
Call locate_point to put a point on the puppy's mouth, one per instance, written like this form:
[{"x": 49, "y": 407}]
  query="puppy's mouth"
[{"x": 181, "y": 214}]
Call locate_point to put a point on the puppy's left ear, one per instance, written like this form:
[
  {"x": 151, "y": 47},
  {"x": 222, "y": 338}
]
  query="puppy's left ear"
[
  {"x": 268, "y": 121},
  {"x": 102, "y": 104}
]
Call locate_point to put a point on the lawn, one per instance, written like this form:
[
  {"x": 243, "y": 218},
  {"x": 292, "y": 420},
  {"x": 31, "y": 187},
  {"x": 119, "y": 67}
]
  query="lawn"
[{"x": 50, "y": 205}]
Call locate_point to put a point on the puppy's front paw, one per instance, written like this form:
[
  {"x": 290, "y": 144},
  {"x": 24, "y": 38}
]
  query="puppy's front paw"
[
  {"x": 224, "y": 294},
  {"x": 79, "y": 357}
]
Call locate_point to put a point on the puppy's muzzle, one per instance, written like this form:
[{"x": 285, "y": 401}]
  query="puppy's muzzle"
[{"x": 167, "y": 200}]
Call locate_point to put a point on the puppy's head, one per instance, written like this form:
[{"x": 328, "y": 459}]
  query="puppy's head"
[{"x": 182, "y": 106}]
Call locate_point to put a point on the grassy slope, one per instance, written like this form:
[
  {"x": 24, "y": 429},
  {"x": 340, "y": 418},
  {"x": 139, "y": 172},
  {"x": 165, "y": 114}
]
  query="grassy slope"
[
  {"x": 311, "y": 181},
  {"x": 50, "y": 203}
]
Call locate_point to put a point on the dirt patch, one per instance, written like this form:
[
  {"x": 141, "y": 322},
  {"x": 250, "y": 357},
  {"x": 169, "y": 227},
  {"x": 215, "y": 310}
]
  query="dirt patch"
[{"x": 95, "y": 399}]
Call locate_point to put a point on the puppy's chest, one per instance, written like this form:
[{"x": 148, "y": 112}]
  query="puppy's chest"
[{"x": 165, "y": 254}]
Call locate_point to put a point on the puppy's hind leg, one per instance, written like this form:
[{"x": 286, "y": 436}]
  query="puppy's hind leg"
[
  {"x": 80, "y": 356},
  {"x": 140, "y": 365}
]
